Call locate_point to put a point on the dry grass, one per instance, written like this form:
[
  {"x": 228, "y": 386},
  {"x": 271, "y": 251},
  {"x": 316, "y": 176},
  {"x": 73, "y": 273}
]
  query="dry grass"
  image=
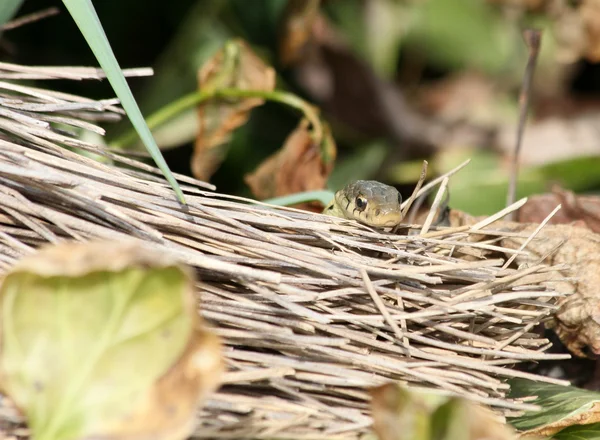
[{"x": 313, "y": 309}]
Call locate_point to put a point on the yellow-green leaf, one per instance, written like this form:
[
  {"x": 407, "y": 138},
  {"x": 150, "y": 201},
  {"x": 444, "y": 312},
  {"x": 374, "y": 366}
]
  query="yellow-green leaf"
[
  {"x": 401, "y": 413},
  {"x": 103, "y": 339}
]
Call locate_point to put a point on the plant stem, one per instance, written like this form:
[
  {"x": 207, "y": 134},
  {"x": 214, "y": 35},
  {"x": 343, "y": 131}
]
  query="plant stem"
[{"x": 173, "y": 109}]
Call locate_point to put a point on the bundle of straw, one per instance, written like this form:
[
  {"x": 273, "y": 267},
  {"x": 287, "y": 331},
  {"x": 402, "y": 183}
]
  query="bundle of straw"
[{"x": 313, "y": 309}]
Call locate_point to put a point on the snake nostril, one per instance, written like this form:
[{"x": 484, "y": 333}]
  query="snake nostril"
[{"x": 377, "y": 212}]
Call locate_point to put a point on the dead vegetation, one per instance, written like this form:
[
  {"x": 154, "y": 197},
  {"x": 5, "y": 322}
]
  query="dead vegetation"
[{"x": 312, "y": 309}]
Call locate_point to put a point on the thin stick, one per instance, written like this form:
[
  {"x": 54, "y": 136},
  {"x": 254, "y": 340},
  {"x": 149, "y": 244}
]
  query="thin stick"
[
  {"x": 494, "y": 218},
  {"x": 413, "y": 196},
  {"x": 533, "y": 39},
  {"x": 532, "y": 236},
  {"x": 437, "y": 180},
  {"x": 29, "y": 18},
  {"x": 434, "y": 206},
  {"x": 380, "y": 305}
]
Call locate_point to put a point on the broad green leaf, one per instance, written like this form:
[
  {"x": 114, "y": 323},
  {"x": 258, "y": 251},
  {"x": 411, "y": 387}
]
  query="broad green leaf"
[
  {"x": 8, "y": 9},
  {"x": 562, "y": 407},
  {"x": 579, "y": 432},
  {"x": 449, "y": 421},
  {"x": 87, "y": 21},
  {"x": 103, "y": 339}
]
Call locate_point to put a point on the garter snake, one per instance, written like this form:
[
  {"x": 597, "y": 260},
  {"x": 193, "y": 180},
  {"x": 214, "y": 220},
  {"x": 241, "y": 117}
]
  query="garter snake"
[{"x": 369, "y": 202}]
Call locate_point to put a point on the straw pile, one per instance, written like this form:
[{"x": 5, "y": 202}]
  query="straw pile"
[{"x": 313, "y": 309}]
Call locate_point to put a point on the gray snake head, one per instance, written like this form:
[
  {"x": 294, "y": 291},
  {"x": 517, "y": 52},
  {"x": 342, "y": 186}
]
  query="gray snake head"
[{"x": 369, "y": 202}]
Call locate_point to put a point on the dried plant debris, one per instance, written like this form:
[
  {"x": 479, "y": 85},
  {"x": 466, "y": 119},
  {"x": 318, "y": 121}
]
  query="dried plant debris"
[
  {"x": 300, "y": 165},
  {"x": 564, "y": 246},
  {"x": 235, "y": 66},
  {"x": 103, "y": 340},
  {"x": 312, "y": 309}
]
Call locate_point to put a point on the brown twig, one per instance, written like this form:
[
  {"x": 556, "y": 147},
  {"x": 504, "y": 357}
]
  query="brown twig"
[
  {"x": 29, "y": 18},
  {"x": 532, "y": 39}
]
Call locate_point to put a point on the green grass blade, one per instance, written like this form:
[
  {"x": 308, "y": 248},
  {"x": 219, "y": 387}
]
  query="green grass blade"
[
  {"x": 8, "y": 9},
  {"x": 309, "y": 196},
  {"x": 87, "y": 21}
]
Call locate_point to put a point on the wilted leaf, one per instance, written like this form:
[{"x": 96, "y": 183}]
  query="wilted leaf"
[
  {"x": 400, "y": 414},
  {"x": 235, "y": 66},
  {"x": 295, "y": 29},
  {"x": 103, "y": 340},
  {"x": 562, "y": 407},
  {"x": 301, "y": 165},
  {"x": 577, "y": 322}
]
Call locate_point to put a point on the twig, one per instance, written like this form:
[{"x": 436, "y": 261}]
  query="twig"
[
  {"x": 434, "y": 206},
  {"x": 29, "y": 18},
  {"x": 413, "y": 196},
  {"x": 532, "y": 40}
]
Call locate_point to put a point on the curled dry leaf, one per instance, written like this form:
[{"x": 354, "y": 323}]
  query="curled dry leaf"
[
  {"x": 103, "y": 340},
  {"x": 577, "y": 322},
  {"x": 400, "y": 414},
  {"x": 300, "y": 165},
  {"x": 235, "y": 66}
]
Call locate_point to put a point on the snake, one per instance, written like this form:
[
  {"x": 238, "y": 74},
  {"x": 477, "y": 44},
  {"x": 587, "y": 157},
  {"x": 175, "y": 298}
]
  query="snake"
[{"x": 369, "y": 202}]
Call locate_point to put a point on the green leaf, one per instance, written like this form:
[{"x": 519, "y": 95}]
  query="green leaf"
[
  {"x": 8, "y": 9},
  {"x": 308, "y": 196},
  {"x": 562, "y": 407},
  {"x": 87, "y": 342},
  {"x": 450, "y": 421},
  {"x": 418, "y": 414},
  {"x": 579, "y": 432},
  {"x": 85, "y": 17}
]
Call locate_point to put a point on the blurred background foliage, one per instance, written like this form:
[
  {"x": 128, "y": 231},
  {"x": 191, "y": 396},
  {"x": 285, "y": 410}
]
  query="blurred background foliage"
[{"x": 398, "y": 81}]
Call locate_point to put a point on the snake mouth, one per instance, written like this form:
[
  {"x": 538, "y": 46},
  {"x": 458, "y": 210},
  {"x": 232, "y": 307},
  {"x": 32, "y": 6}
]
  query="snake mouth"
[{"x": 382, "y": 220}]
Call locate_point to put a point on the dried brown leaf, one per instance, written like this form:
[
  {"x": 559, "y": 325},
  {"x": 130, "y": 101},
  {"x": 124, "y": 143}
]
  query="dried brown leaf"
[
  {"x": 577, "y": 322},
  {"x": 235, "y": 66},
  {"x": 296, "y": 29},
  {"x": 300, "y": 165}
]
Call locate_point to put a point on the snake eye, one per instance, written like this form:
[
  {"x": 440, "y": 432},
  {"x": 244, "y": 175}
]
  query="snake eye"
[{"x": 361, "y": 203}]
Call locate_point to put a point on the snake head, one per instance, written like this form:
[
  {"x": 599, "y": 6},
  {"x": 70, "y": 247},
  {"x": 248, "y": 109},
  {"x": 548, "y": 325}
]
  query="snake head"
[{"x": 369, "y": 202}]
